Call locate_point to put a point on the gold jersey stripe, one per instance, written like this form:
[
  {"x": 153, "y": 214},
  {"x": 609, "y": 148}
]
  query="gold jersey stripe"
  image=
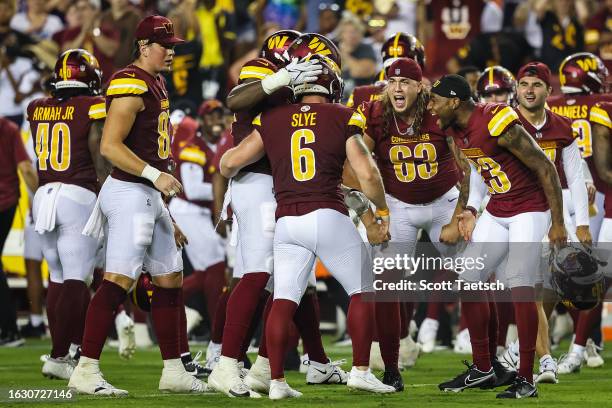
[
  {"x": 501, "y": 120},
  {"x": 127, "y": 86},
  {"x": 357, "y": 119},
  {"x": 193, "y": 155},
  {"x": 257, "y": 120},
  {"x": 600, "y": 116},
  {"x": 351, "y": 102},
  {"x": 97, "y": 111},
  {"x": 250, "y": 74}
]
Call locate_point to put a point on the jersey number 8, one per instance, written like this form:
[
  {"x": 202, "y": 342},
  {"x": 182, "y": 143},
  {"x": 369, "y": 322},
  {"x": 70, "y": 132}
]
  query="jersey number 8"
[{"x": 163, "y": 141}]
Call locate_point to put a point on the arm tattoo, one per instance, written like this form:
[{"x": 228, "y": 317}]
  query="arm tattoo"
[
  {"x": 464, "y": 189},
  {"x": 521, "y": 144},
  {"x": 363, "y": 149}
]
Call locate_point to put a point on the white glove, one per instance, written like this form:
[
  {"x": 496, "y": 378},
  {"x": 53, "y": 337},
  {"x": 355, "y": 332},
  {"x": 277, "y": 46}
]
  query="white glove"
[{"x": 302, "y": 72}]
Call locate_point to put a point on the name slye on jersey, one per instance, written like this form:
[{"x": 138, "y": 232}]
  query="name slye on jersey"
[
  {"x": 60, "y": 131},
  {"x": 415, "y": 168},
  {"x": 513, "y": 187},
  {"x": 576, "y": 108},
  {"x": 601, "y": 114},
  {"x": 306, "y": 146},
  {"x": 149, "y": 137}
]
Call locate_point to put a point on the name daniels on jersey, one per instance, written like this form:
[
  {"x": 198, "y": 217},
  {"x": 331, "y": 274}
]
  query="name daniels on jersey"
[
  {"x": 413, "y": 139},
  {"x": 47, "y": 113},
  {"x": 304, "y": 119},
  {"x": 572, "y": 112}
]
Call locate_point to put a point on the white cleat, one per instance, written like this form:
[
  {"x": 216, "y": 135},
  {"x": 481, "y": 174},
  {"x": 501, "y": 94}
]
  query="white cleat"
[
  {"x": 225, "y": 378},
  {"x": 58, "y": 368},
  {"x": 282, "y": 390},
  {"x": 591, "y": 355},
  {"x": 329, "y": 373},
  {"x": 193, "y": 318},
  {"x": 408, "y": 352},
  {"x": 259, "y": 376},
  {"x": 511, "y": 357},
  {"x": 570, "y": 363},
  {"x": 376, "y": 361},
  {"x": 142, "y": 336},
  {"x": 304, "y": 364},
  {"x": 548, "y": 371},
  {"x": 366, "y": 381},
  {"x": 87, "y": 379},
  {"x": 125, "y": 333},
  {"x": 462, "y": 342},
  {"x": 175, "y": 379},
  {"x": 44, "y": 357},
  {"x": 213, "y": 353},
  {"x": 427, "y": 335}
]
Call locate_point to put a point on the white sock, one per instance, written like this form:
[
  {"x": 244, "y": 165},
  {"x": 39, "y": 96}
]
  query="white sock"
[
  {"x": 576, "y": 348},
  {"x": 279, "y": 383},
  {"x": 73, "y": 349},
  {"x": 514, "y": 347},
  {"x": 230, "y": 362},
  {"x": 36, "y": 319},
  {"x": 359, "y": 373},
  {"x": 89, "y": 363},
  {"x": 174, "y": 364}
]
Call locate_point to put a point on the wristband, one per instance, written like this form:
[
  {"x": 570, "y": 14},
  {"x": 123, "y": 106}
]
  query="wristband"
[
  {"x": 150, "y": 173},
  {"x": 275, "y": 81},
  {"x": 382, "y": 212}
]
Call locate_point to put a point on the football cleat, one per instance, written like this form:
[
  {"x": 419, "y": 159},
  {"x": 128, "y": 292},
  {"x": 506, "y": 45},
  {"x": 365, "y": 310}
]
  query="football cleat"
[
  {"x": 376, "y": 361},
  {"x": 304, "y": 363},
  {"x": 569, "y": 363},
  {"x": 193, "y": 319},
  {"x": 394, "y": 379},
  {"x": 58, "y": 368},
  {"x": 548, "y": 371},
  {"x": 282, "y": 390},
  {"x": 176, "y": 379},
  {"x": 470, "y": 378},
  {"x": 427, "y": 335},
  {"x": 521, "y": 388},
  {"x": 462, "y": 342},
  {"x": 44, "y": 357},
  {"x": 31, "y": 331},
  {"x": 125, "y": 334},
  {"x": 243, "y": 371},
  {"x": 343, "y": 341},
  {"x": 213, "y": 353},
  {"x": 503, "y": 376},
  {"x": 225, "y": 378},
  {"x": 142, "y": 336},
  {"x": 408, "y": 352},
  {"x": 259, "y": 376},
  {"x": 366, "y": 381},
  {"x": 511, "y": 358},
  {"x": 11, "y": 339},
  {"x": 591, "y": 355},
  {"x": 193, "y": 366},
  {"x": 329, "y": 373},
  {"x": 87, "y": 379}
]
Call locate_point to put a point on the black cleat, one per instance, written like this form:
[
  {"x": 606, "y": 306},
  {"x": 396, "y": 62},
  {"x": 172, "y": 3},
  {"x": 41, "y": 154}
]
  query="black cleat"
[
  {"x": 470, "y": 378},
  {"x": 394, "y": 379},
  {"x": 11, "y": 339},
  {"x": 502, "y": 374},
  {"x": 519, "y": 389},
  {"x": 31, "y": 331},
  {"x": 193, "y": 366}
]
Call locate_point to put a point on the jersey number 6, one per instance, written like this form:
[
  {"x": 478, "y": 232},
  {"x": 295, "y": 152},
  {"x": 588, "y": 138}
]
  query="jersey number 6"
[{"x": 302, "y": 158}]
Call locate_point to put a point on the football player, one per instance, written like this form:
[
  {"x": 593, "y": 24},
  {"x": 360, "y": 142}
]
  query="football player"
[
  {"x": 420, "y": 176},
  {"x": 194, "y": 148},
  {"x": 140, "y": 232},
  {"x": 496, "y": 84},
  {"x": 66, "y": 129},
  {"x": 583, "y": 84},
  {"x": 263, "y": 85},
  {"x": 307, "y": 144},
  {"x": 400, "y": 45},
  {"x": 554, "y": 134},
  {"x": 524, "y": 186}
]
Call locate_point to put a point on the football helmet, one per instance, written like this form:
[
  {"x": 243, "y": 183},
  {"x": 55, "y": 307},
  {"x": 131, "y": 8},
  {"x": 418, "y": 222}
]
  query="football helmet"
[
  {"x": 77, "y": 68},
  {"x": 583, "y": 72},
  {"x": 328, "y": 84},
  {"x": 403, "y": 45},
  {"x": 576, "y": 277},
  {"x": 142, "y": 293},
  {"x": 309, "y": 44},
  {"x": 276, "y": 44},
  {"x": 496, "y": 78}
]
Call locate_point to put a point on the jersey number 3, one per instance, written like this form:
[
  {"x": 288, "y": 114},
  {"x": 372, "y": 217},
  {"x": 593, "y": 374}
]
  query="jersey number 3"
[
  {"x": 302, "y": 158},
  {"x": 53, "y": 148}
]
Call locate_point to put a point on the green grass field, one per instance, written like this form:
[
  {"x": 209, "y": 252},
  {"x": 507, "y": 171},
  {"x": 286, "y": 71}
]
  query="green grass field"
[{"x": 20, "y": 369}]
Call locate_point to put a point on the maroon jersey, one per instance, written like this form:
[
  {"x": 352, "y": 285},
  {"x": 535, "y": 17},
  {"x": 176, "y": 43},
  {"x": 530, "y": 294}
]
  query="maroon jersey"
[
  {"x": 190, "y": 150},
  {"x": 12, "y": 152},
  {"x": 256, "y": 69},
  {"x": 149, "y": 137},
  {"x": 601, "y": 113},
  {"x": 306, "y": 145},
  {"x": 365, "y": 93},
  {"x": 553, "y": 137},
  {"x": 60, "y": 131},
  {"x": 513, "y": 187},
  {"x": 415, "y": 168},
  {"x": 576, "y": 108}
]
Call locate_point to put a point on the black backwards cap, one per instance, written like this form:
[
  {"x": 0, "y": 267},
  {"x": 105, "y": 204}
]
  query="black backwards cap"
[{"x": 452, "y": 86}]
